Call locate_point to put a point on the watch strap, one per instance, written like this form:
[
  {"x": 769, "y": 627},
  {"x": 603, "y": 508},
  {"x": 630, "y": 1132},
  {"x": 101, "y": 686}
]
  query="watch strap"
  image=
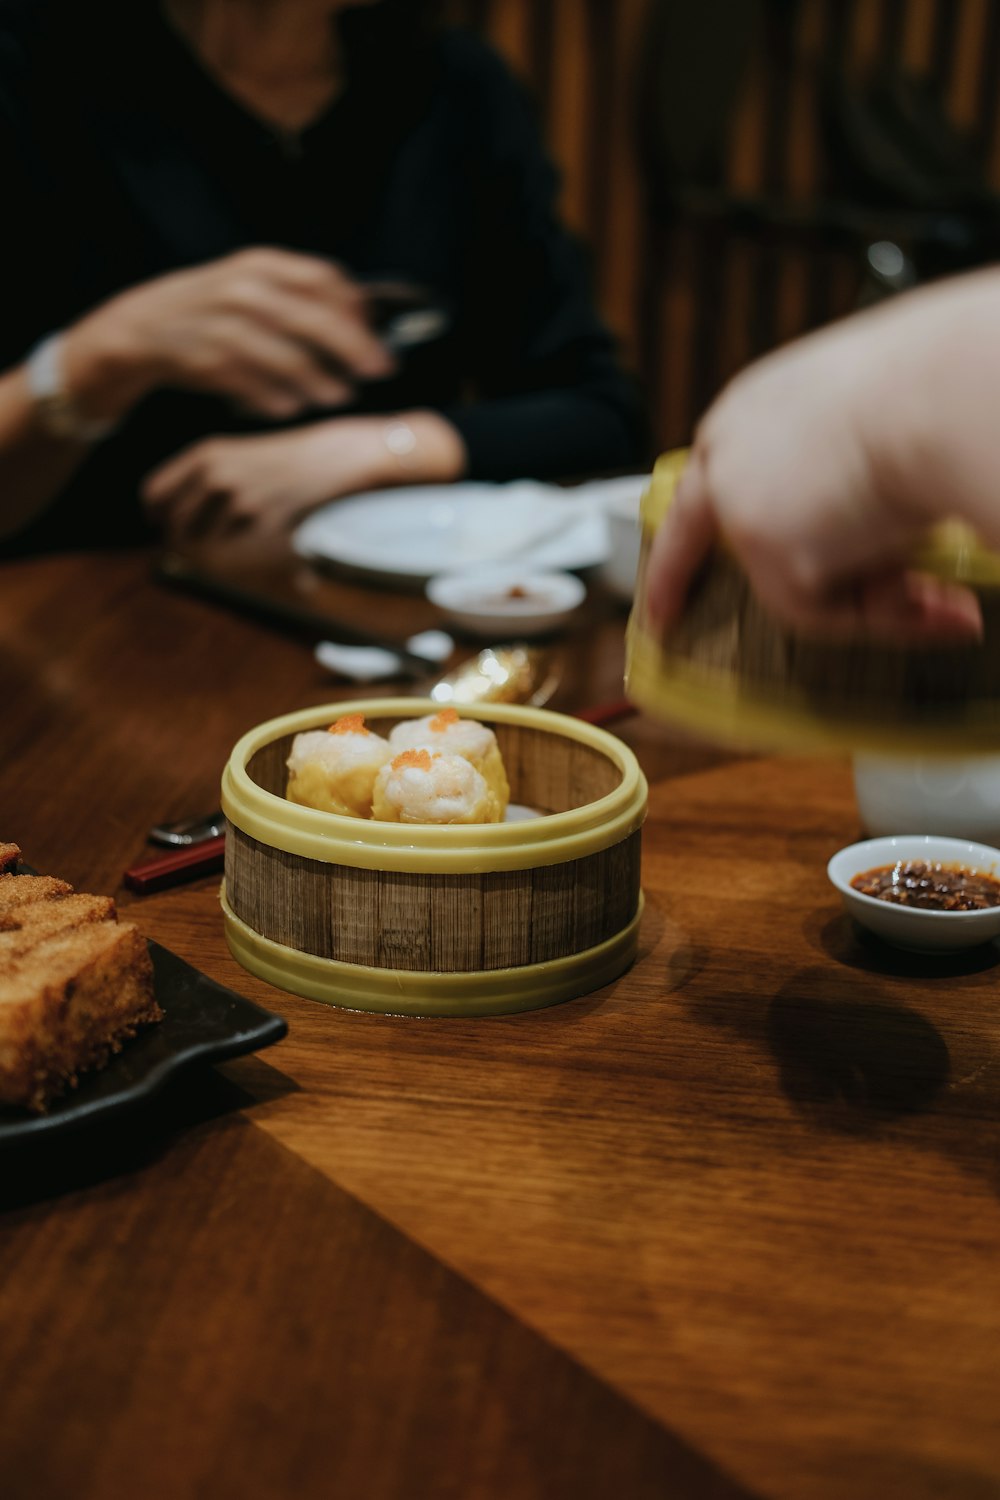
[{"x": 56, "y": 407}]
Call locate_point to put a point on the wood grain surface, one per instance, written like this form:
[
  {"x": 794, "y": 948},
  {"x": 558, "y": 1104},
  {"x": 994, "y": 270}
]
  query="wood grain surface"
[{"x": 726, "y": 1228}]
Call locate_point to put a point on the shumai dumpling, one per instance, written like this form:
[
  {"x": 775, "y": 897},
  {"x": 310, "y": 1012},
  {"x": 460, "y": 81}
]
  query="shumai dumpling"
[
  {"x": 421, "y": 786},
  {"x": 334, "y": 769},
  {"x": 448, "y": 734}
]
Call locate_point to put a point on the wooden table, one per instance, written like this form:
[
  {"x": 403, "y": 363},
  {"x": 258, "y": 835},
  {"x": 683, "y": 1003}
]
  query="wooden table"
[{"x": 727, "y": 1228}]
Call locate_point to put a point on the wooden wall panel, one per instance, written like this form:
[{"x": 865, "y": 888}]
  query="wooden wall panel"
[
  {"x": 690, "y": 301},
  {"x": 618, "y": 228}
]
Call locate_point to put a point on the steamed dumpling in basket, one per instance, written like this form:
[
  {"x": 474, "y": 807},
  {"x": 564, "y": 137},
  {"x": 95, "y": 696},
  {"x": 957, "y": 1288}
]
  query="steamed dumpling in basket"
[
  {"x": 334, "y": 769},
  {"x": 421, "y": 786},
  {"x": 445, "y": 733}
]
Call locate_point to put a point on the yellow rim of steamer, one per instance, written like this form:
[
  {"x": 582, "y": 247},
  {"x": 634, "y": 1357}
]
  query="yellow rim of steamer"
[
  {"x": 434, "y": 849},
  {"x": 401, "y": 992}
]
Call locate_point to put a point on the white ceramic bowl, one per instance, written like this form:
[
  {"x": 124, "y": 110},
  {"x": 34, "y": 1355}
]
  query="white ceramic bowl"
[
  {"x": 909, "y": 926},
  {"x": 507, "y": 603},
  {"x": 955, "y": 796},
  {"x": 624, "y": 541}
]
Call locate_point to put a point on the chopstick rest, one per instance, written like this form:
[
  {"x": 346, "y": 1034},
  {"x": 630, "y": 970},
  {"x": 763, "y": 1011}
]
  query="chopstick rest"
[{"x": 373, "y": 663}]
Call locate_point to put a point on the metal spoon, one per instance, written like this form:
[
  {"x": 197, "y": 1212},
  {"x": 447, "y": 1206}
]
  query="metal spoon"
[
  {"x": 187, "y": 831},
  {"x": 499, "y": 674}
]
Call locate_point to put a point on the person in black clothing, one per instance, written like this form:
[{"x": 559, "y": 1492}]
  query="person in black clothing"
[{"x": 196, "y": 193}]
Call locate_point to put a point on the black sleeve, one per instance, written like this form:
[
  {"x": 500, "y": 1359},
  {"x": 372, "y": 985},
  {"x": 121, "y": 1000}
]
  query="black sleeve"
[
  {"x": 552, "y": 398},
  {"x": 22, "y": 251}
]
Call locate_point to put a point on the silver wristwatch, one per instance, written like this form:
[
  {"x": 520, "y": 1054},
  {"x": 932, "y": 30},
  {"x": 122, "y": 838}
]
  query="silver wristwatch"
[{"x": 55, "y": 405}]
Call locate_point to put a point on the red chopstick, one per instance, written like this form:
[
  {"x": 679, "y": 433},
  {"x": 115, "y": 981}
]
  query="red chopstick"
[
  {"x": 607, "y": 713},
  {"x": 176, "y": 866}
]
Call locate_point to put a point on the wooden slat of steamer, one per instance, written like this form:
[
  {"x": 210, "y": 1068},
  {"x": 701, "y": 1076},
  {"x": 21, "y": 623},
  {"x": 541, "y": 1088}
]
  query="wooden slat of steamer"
[{"x": 446, "y": 923}]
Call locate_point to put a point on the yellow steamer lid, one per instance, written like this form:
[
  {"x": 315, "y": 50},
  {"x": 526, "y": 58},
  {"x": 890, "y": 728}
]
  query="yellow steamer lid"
[{"x": 729, "y": 671}]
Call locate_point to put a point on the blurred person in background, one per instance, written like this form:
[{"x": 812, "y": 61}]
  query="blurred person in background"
[{"x": 196, "y": 193}]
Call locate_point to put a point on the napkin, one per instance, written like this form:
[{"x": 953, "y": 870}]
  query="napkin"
[
  {"x": 373, "y": 663},
  {"x": 535, "y": 514}
]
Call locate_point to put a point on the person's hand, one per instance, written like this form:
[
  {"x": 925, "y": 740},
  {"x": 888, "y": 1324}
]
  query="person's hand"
[
  {"x": 225, "y": 485},
  {"x": 793, "y": 472},
  {"x": 277, "y": 332}
]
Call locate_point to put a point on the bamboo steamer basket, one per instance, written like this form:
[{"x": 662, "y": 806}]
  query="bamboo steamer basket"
[
  {"x": 421, "y": 919},
  {"x": 729, "y": 671}
]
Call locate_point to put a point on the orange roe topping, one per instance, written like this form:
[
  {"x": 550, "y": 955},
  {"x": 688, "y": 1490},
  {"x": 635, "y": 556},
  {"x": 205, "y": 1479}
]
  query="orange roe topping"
[
  {"x": 444, "y": 720},
  {"x": 349, "y": 724},
  {"x": 420, "y": 759}
]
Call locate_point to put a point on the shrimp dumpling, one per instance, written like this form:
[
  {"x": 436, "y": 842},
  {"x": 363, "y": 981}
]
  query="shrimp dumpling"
[
  {"x": 422, "y": 786},
  {"x": 334, "y": 769},
  {"x": 447, "y": 734}
]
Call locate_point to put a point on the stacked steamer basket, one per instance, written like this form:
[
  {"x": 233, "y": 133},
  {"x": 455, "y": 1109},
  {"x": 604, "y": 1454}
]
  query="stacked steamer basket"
[
  {"x": 729, "y": 671},
  {"x": 421, "y": 919}
]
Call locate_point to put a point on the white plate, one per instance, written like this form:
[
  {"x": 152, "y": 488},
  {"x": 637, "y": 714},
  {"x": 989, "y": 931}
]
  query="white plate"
[{"x": 409, "y": 535}]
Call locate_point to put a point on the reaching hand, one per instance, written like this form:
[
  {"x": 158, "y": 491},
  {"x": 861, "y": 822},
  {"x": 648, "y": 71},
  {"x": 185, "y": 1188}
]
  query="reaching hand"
[{"x": 821, "y": 467}]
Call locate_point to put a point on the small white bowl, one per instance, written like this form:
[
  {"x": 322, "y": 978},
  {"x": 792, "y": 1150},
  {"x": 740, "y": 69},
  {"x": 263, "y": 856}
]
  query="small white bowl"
[
  {"x": 504, "y": 603},
  {"x": 910, "y": 926}
]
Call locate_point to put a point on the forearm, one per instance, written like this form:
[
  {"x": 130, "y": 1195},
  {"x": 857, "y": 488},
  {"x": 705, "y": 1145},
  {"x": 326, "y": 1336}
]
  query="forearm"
[
  {"x": 34, "y": 465},
  {"x": 36, "y": 462},
  {"x": 277, "y": 334},
  {"x": 270, "y": 480},
  {"x": 412, "y": 447}
]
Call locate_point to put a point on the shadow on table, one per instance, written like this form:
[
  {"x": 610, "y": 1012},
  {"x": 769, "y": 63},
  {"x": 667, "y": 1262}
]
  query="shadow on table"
[
  {"x": 908, "y": 1066},
  {"x": 873, "y": 1065},
  {"x": 847, "y": 943},
  {"x": 85, "y": 1155},
  {"x": 853, "y": 1063}
]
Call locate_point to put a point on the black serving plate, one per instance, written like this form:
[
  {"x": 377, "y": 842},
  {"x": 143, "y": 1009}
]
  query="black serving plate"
[{"x": 202, "y": 1022}]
